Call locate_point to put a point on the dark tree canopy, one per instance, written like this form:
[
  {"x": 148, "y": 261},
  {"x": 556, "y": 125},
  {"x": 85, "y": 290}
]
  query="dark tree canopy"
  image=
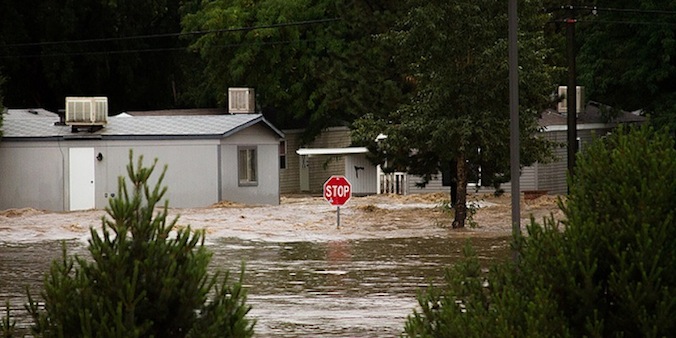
[
  {"x": 313, "y": 64},
  {"x": 626, "y": 54},
  {"x": 456, "y": 57},
  {"x": 607, "y": 272},
  {"x": 52, "y": 49}
]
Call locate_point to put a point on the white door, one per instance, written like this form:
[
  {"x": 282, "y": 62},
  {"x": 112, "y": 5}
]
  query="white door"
[
  {"x": 304, "y": 171},
  {"x": 81, "y": 175}
]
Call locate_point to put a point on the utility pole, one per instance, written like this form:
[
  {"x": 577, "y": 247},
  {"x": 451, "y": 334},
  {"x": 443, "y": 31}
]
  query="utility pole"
[
  {"x": 571, "y": 91},
  {"x": 514, "y": 146}
]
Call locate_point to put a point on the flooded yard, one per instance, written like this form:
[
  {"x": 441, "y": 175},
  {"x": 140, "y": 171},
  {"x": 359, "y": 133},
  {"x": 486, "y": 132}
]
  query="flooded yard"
[
  {"x": 363, "y": 288},
  {"x": 305, "y": 277}
]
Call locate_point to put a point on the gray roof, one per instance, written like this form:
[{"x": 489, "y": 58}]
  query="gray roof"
[
  {"x": 175, "y": 112},
  {"x": 593, "y": 113},
  {"x": 137, "y": 127},
  {"x": 28, "y": 113}
]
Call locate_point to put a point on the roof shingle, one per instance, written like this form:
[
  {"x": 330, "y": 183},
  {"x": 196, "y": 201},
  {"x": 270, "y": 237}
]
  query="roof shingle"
[{"x": 139, "y": 126}]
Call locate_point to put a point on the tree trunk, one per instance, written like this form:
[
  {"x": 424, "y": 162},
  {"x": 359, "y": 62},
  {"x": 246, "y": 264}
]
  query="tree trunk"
[{"x": 461, "y": 205}]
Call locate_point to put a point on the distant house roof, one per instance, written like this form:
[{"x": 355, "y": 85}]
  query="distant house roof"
[
  {"x": 592, "y": 115},
  {"x": 175, "y": 112},
  {"x": 140, "y": 127}
]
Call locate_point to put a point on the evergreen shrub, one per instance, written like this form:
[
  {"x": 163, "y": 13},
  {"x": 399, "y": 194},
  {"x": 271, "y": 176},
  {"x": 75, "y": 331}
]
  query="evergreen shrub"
[
  {"x": 608, "y": 270},
  {"x": 146, "y": 277}
]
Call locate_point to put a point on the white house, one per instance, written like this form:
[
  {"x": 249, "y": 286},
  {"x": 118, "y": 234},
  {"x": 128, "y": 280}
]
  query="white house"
[{"x": 46, "y": 164}]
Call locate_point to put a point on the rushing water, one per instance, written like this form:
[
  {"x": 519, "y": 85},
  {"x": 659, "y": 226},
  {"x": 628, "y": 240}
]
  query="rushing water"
[{"x": 355, "y": 288}]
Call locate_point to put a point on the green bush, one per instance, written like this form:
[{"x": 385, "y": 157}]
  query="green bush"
[
  {"x": 7, "y": 325},
  {"x": 145, "y": 278},
  {"x": 608, "y": 271}
]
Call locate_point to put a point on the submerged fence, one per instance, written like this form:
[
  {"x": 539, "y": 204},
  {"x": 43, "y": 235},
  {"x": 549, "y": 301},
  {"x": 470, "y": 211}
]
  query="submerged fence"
[{"x": 393, "y": 183}]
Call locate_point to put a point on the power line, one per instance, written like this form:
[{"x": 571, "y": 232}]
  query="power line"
[
  {"x": 621, "y": 22},
  {"x": 595, "y": 10},
  {"x": 155, "y": 50},
  {"x": 164, "y": 35},
  {"x": 625, "y": 10}
]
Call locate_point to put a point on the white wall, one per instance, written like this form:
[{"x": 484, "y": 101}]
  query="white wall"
[
  {"x": 192, "y": 169},
  {"x": 31, "y": 175},
  {"x": 365, "y": 182},
  {"x": 267, "y": 189},
  {"x": 200, "y": 172}
]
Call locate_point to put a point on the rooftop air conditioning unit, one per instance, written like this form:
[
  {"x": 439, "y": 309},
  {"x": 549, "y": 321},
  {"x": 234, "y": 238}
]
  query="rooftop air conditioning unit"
[
  {"x": 86, "y": 111},
  {"x": 241, "y": 101},
  {"x": 562, "y": 106}
]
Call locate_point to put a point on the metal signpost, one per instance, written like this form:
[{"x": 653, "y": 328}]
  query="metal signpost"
[{"x": 337, "y": 191}]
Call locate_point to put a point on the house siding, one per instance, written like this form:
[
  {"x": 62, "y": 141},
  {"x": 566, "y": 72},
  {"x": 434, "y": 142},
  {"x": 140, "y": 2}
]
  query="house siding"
[
  {"x": 361, "y": 174},
  {"x": 266, "y": 191},
  {"x": 550, "y": 177},
  {"x": 528, "y": 179},
  {"x": 289, "y": 178},
  {"x": 191, "y": 169},
  {"x": 320, "y": 167},
  {"x": 434, "y": 185},
  {"x": 31, "y": 175}
]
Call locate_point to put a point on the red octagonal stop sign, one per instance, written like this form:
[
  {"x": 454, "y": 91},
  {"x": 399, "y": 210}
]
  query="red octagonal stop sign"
[{"x": 337, "y": 190}]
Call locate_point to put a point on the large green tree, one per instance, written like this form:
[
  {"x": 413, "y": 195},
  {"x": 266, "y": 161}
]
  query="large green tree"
[
  {"x": 126, "y": 50},
  {"x": 456, "y": 54},
  {"x": 627, "y": 56},
  {"x": 608, "y": 271},
  {"x": 314, "y": 64}
]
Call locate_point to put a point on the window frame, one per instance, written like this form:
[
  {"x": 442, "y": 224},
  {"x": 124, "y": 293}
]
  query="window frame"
[
  {"x": 283, "y": 163},
  {"x": 251, "y": 166}
]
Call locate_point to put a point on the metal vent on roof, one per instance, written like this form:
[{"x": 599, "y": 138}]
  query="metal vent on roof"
[
  {"x": 562, "y": 106},
  {"x": 86, "y": 111},
  {"x": 241, "y": 101}
]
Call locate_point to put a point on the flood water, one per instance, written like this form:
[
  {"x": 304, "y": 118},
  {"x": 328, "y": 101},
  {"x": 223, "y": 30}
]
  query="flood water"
[{"x": 351, "y": 288}]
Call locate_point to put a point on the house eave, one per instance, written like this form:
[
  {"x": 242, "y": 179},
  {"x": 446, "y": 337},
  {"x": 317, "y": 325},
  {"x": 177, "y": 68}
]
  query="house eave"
[
  {"x": 331, "y": 151},
  {"x": 586, "y": 126}
]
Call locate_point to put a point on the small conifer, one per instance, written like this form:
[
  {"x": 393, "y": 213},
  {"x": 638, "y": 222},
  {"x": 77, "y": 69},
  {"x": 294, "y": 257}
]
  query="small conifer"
[
  {"x": 146, "y": 277},
  {"x": 608, "y": 271}
]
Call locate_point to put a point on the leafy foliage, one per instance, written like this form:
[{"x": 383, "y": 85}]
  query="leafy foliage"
[
  {"x": 7, "y": 325},
  {"x": 609, "y": 272},
  {"x": 627, "y": 59},
  {"x": 146, "y": 277},
  {"x": 314, "y": 64},
  {"x": 456, "y": 56},
  {"x": 120, "y": 49}
]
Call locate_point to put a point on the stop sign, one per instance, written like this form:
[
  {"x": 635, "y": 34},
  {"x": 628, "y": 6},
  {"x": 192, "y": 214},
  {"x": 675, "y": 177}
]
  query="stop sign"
[{"x": 337, "y": 190}]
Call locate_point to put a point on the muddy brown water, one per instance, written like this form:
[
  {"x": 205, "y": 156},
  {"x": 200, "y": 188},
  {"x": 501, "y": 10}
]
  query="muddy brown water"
[{"x": 351, "y": 288}]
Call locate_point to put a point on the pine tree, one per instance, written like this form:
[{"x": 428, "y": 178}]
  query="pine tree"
[
  {"x": 608, "y": 271},
  {"x": 146, "y": 277}
]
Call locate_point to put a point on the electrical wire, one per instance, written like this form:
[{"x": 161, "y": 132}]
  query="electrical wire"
[
  {"x": 610, "y": 9},
  {"x": 632, "y": 22},
  {"x": 155, "y": 36},
  {"x": 154, "y": 50},
  {"x": 625, "y": 10},
  {"x": 596, "y": 10}
]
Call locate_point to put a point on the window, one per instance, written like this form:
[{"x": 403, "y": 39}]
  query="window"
[
  {"x": 247, "y": 165},
  {"x": 282, "y": 154}
]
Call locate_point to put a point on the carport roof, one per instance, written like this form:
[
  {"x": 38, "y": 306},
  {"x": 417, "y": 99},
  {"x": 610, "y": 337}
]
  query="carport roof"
[
  {"x": 137, "y": 127},
  {"x": 332, "y": 151}
]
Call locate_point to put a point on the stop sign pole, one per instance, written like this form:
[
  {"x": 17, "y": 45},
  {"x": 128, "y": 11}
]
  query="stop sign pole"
[{"x": 337, "y": 191}]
